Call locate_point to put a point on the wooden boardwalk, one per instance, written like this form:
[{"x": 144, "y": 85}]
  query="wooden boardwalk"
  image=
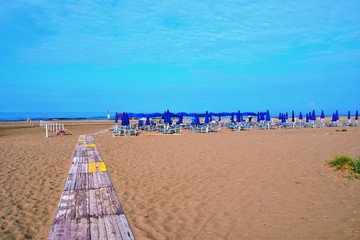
[{"x": 89, "y": 207}]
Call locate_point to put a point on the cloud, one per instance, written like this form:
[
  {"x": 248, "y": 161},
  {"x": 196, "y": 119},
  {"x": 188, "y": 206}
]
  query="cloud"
[{"x": 177, "y": 31}]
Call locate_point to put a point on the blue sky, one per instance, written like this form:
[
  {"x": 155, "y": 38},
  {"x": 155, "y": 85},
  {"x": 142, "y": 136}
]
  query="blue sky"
[{"x": 149, "y": 56}]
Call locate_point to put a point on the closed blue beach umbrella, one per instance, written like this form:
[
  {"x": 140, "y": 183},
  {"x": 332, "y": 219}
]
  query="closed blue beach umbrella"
[
  {"x": 238, "y": 117},
  {"x": 164, "y": 117},
  {"x": 210, "y": 117},
  {"x": 349, "y": 117},
  {"x": 206, "y": 117},
  {"x": 357, "y": 115},
  {"x": 292, "y": 116},
  {"x": 232, "y": 117},
  {"x": 258, "y": 117},
  {"x": 196, "y": 120},
  {"x": 286, "y": 116},
  {"x": 147, "y": 122},
  {"x": 167, "y": 118},
  {"x": 283, "y": 119},
  {"x": 300, "y": 116},
  {"x": 219, "y": 118},
  {"x": 116, "y": 118},
  {"x": 127, "y": 119},
  {"x": 280, "y": 116},
  {"x": 123, "y": 119},
  {"x": 322, "y": 114},
  {"x": 333, "y": 118},
  {"x": 268, "y": 116},
  {"x": 307, "y": 117},
  {"x": 313, "y": 115},
  {"x": 337, "y": 115}
]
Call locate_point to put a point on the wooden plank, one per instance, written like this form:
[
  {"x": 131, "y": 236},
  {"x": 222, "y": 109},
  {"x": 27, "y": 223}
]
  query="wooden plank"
[
  {"x": 82, "y": 159},
  {"x": 124, "y": 227},
  {"x": 103, "y": 201},
  {"x": 89, "y": 207},
  {"x": 85, "y": 203},
  {"x": 78, "y": 168},
  {"x": 92, "y": 153},
  {"x": 96, "y": 158},
  {"x": 70, "y": 229},
  {"x": 110, "y": 227},
  {"x": 73, "y": 205},
  {"x": 78, "y": 181},
  {"x": 79, "y": 152},
  {"x": 81, "y": 181},
  {"x": 99, "y": 180},
  {"x": 87, "y": 159}
]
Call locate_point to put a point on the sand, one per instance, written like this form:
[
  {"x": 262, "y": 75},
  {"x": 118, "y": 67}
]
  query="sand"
[{"x": 260, "y": 184}]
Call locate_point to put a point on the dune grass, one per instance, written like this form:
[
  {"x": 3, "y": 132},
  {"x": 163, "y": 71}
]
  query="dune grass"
[
  {"x": 345, "y": 162},
  {"x": 341, "y": 130}
]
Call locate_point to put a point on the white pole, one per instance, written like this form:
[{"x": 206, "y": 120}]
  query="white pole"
[
  {"x": 56, "y": 127},
  {"x": 47, "y": 131},
  {"x": 53, "y": 126},
  {"x": 63, "y": 127}
]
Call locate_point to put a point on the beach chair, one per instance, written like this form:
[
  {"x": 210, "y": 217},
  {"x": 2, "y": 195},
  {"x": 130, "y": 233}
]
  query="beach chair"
[
  {"x": 214, "y": 129},
  {"x": 132, "y": 132},
  {"x": 202, "y": 129},
  {"x": 234, "y": 127},
  {"x": 119, "y": 132}
]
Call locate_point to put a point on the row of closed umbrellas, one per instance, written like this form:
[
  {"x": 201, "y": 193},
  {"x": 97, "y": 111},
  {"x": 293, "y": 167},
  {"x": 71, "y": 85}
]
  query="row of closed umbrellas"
[{"x": 261, "y": 116}]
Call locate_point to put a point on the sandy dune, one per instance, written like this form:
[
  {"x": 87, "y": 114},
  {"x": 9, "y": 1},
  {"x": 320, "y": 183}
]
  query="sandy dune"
[{"x": 230, "y": 185}]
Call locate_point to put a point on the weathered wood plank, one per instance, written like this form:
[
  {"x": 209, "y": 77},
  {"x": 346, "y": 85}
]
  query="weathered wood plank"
[
  {"x": 82, "y": 159},
  {"x": 110, "y": 227},
  {"x": 78, "y": 181},
  {"x": 70, "y": 229},
  {"x": 103, "y": 201},
  {"x": 72, "y": 205},
  {"x": 78, "y": 153},
  {"x": 92, "y": 153},
  {"x": 82, "y": 181},
  {"x": 78, "y": 168},
  {"x": 89, "y": 207},
  {"x": 94, "y": 158},
  {"x": 84, "y": 203},
  {"x": 99, "y": 180}
]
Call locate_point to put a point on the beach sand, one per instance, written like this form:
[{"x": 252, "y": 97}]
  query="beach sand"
[{"x": 259, "y": 184}]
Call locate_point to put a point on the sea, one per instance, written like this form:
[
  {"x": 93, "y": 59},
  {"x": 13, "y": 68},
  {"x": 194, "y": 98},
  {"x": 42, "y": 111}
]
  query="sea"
[{"x": 54, "y": 116}]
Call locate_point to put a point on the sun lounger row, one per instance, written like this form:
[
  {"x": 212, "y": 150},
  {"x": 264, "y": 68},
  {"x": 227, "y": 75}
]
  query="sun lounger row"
[{"x": 123, "y": 131}]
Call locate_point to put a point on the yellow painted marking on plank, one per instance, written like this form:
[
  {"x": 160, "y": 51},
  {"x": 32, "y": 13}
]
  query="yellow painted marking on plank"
[
  {"x": 81, "y": 140},
  {"x": 96, "y": 167},
  {"x": 91, "y": 145}
]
